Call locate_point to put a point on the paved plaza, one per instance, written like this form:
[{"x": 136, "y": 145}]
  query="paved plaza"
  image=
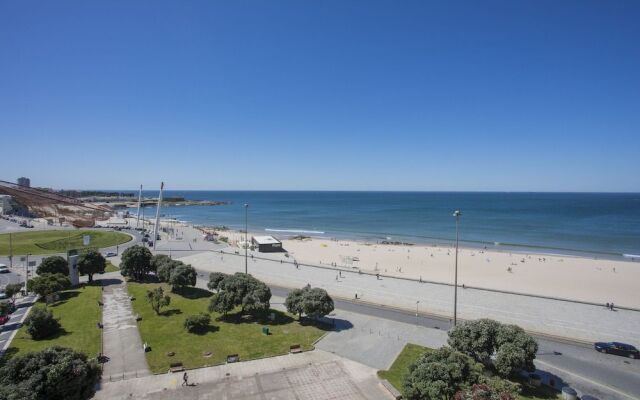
[{"x": 315, "y": 375}]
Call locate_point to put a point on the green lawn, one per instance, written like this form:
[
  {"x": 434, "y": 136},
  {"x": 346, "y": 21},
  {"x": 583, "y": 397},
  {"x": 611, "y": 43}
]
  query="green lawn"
[
  {"x": 110, "y": 267},
  {"x": 231, "y": 335},
  {"x": 58, "y": 241},
  {"x": 78, "y": 312},
  {"x": 395, "y": 375},
  {"x": 411, "y": 352}
]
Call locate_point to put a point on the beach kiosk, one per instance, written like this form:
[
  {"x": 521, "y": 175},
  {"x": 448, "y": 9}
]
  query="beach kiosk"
[{"x": 266, "y": 244}]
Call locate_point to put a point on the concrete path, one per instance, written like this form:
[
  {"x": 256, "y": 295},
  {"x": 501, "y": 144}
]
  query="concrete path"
[
  {"x": 121, "y": 340},
  {"x": 314, "y": 375}
]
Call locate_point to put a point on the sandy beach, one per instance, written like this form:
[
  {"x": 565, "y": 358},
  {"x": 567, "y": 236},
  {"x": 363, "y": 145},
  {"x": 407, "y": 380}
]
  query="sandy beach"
[{"x": 572, "y": 277}]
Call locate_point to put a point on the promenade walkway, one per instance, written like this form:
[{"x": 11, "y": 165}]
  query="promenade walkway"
[
  {"x": 564, "y": 319},
  {"x": 121, "y": 340}
]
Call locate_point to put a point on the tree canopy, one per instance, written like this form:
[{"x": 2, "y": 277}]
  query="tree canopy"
[
  {"x": 56, "y": 373},
  {"x": 136, "y": 262},
  {"x": 181, "y": 276},
  {"x": 157, "y": 260},
  {"x": 12, "y": 289},
  {"x": 47, "y": 284},
  {"x": 483, "y": 339},
  {"x": 90, "y": 263},
  {"x": 214, "y": 280},
  {"x": 314, "y": 302},
  {"x": 53, "y": 265},
  {"x": 439, "y": 374},
  {"x": 241, "y": 290}
]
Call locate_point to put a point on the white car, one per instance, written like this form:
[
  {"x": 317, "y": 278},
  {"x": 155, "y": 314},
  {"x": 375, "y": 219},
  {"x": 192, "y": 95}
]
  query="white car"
[{"x": 4, "y": 269}]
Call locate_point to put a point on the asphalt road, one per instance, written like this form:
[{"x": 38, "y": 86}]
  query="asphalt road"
[{"x": 602, "y": 375}]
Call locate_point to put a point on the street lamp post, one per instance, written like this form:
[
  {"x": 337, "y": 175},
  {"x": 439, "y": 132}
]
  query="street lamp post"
[
  {"x": 246, "y": 243},
  {"x": 456, "y": 214},
  {"x": 417, "y": 302}
]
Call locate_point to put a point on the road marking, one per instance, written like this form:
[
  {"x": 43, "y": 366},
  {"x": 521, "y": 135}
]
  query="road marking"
[{"x": 588, "y": 380}]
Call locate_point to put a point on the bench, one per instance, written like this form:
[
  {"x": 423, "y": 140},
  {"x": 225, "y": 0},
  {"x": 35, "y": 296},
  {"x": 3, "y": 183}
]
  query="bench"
[
  {"x": 233, "y": 358},
  {"x": 295, "y": 349},
  {"x": 176, "y": 367},
  {"x": 392, "y": 390}
]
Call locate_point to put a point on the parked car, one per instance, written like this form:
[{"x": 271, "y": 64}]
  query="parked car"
[
  {"x": 110, "y": 254},
  {"x": 4, "y": 319},
  {"x": 617, "y": 348},
  {"x": 3, "y": 295},
  {"x": 4, "y": 269}
]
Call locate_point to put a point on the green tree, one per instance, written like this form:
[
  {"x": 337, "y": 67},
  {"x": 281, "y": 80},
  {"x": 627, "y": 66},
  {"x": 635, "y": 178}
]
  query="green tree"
[
  {"x": 214, "y": 280},
  {"x": 166, "y": 269},
  {"x": 158, "y": 299},
  {"x": 513, "y": 348},
  {"x": 317, "y": 303},
  {"x": 181, "y": 276},
  {"x": 48, "y": 284},
  {"x": 293, "y": 302},
  {"x": 53, "y": 265},
  {"x": 222, "y": 303},
  {"x": 439, "y": 374},
  {"x": 41, "y": 324},
  {"x": 12, "y": 290},
  {"x": 55, "y": 373},
  {"x": 157, "y": 260},
  {"x": 90, "y": 263},
  {"x": 197, "y": 323},
  {"x": 5, "y": 308},
  {"x": 136, "y": 262}
]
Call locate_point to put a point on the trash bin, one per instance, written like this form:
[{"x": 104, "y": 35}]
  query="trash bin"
[
  {"x": 569, "y": 393},
  {"x": 265, "y": 330}
]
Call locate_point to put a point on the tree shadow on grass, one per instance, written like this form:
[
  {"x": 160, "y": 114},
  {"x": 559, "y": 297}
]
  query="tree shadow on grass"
[
  {"x": 169, "y": 313},
  {"x": 193, "y": 293},
  {"x": 208, "y": 329},
  {"x": 262, "y": 318}
]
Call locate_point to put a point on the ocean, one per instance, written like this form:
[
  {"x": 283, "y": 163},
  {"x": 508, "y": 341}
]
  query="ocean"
[{"x": 566, "y": 223}]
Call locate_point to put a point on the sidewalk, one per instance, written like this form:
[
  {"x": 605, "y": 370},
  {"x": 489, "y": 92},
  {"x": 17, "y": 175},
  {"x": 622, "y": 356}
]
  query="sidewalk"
[{"x": 121, "y": 340}]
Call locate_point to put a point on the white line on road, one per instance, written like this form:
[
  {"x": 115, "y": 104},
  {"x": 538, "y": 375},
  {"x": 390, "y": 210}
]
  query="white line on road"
[{"x": 607, "y": 387}]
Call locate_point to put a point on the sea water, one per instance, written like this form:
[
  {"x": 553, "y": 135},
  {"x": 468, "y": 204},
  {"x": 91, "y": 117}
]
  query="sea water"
[{"x": 599, "y": 223}]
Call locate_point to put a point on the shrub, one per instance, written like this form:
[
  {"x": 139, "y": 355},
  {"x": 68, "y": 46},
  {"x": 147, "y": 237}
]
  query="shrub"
[
  {"x": 314, "y": 302},
  {"x": 241, "y": 290},
  {"x": 53, "y": 265},
  {"x": 41, "y": 324},
  {"x": 197, "y": 323},
  {"x": 55, "y": 373}
]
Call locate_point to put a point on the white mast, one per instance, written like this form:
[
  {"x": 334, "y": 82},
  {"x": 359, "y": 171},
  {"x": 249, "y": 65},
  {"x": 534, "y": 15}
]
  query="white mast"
[
  {"x": 139, "y": 203},
  {"x": 155, "y": 230}
]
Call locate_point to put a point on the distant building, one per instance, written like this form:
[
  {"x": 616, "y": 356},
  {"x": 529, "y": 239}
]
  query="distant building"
[
  {"x": 26, "y": 182},
  {"x": 5, "y": 204},
  {"x": 266, "y": 244}
]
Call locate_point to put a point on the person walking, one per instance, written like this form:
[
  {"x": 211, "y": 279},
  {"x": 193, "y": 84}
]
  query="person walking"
[{"x": 185, "y": 379}]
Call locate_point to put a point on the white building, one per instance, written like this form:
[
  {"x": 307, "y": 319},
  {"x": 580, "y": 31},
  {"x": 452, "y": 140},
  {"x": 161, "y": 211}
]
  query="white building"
[
  {"x": 5, "y": 204},
  {"x": 267, "y": 244}
]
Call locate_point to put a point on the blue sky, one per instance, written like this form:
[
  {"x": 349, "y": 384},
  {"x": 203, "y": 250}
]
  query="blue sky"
[{"x": 354, "y": 95}]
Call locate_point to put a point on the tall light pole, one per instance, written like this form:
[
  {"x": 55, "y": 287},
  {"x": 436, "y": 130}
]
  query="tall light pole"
[
  {"x": 417, "y": 302},
  {"x": 456, "y": 214},
  {"x": 246, "y": 243}
]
